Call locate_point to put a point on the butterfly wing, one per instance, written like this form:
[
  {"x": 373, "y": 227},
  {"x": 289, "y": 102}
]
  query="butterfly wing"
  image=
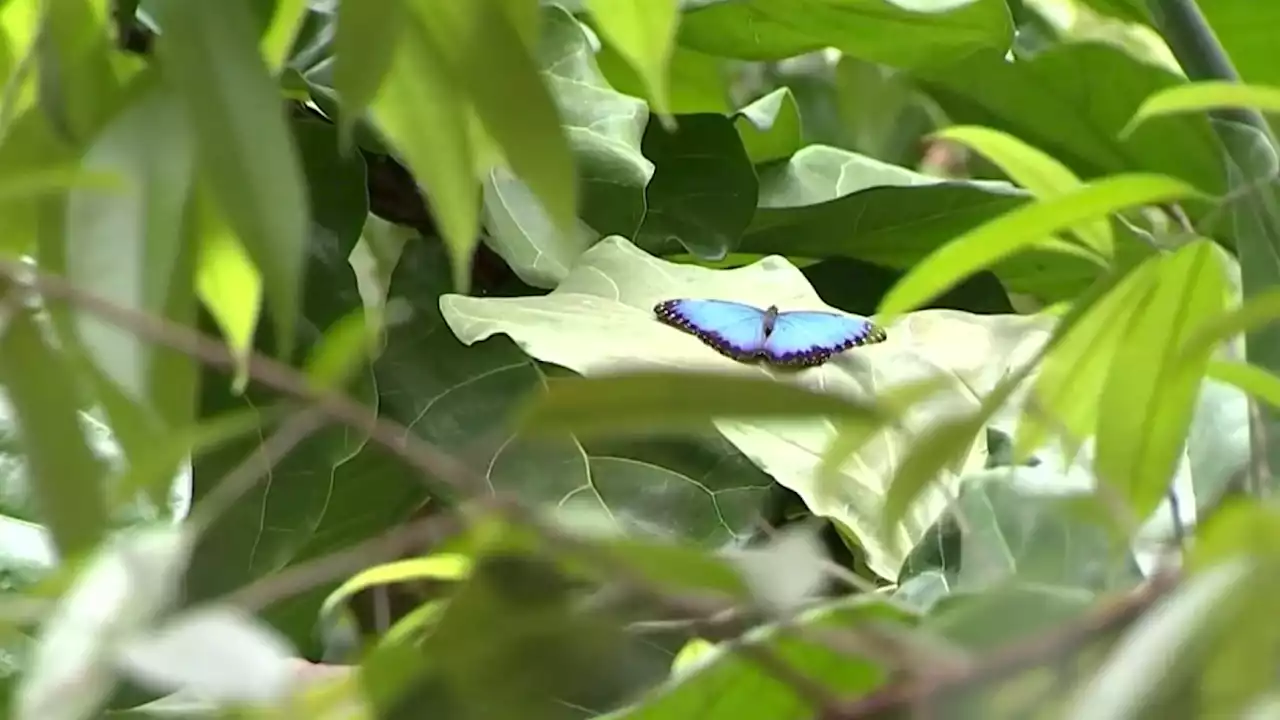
[
  {"x": 731, "y": 328},
  {"x": 805, "y": 338}
]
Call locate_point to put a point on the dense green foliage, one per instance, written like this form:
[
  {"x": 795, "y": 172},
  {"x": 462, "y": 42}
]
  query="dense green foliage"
[{"x": 327, "y": 335}]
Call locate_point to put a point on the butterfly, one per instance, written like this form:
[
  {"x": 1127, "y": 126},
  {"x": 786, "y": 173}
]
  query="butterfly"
[{"x": 794, "y": 338}]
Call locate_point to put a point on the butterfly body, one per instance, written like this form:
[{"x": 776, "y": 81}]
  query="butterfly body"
[{"x": 745, "y": 333}]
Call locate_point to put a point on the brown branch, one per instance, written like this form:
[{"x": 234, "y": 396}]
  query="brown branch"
[
  {"x": 449, "y": 475},
  {"x": 919, "y": 691}
]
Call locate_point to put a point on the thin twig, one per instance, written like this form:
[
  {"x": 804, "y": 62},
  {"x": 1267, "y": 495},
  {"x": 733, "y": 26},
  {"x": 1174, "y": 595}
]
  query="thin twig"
[
  {"x": 430, "y": 462},
  {"x": 915, "y": 692}
]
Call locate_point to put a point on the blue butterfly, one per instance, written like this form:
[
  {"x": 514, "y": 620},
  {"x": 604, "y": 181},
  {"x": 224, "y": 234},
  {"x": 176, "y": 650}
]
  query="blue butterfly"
[{"x": 743, "y": 332}]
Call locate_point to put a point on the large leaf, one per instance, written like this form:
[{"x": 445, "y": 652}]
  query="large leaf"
[
  {"x": 463, "y": 397},
  {"x": 868, "y": 29},
  {"x": 600, "y": 321},
  {"x": 704, "y": 192},
  {"x": 604, "y": 128},
  {"x": 828, "y": 202},
  {"x": 1055, "y": 103}
]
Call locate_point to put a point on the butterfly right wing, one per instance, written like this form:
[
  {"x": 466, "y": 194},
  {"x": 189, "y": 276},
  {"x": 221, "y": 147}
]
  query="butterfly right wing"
[{"x": 733, "y": 329}]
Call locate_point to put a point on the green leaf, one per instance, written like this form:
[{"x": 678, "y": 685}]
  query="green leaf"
[
  {"x": 643, "y": 32},
  {"x": 1151, "y": 388},
  {"x": 486, "y": 57},
  {"x": 1068, "y": 388},
  {"x": 1205, "y": 96},
  {"x": 79, "y": 79},
  {"x": 228, "y": 283},
  {"x": 1034, "y": 170},
  {"x": 1242, "y": 28},
  {"x": 1249, "y": 379},
  {"x": 1041, "y": 101},
  {"x": 867, "y": 29},
  {"x": 703, "y": 159},
  {"x": 1254, "y": 313},
  {"x": 247, "y": 155},
  {"x": 809, "y": 204},
  {"x": 600, "y": 321},
  {"x": 278, "y": 41},
  {"x": 604, "y": 128},
  {"x": 126, "y": 247},
  {"x": 67, "y": 478},
  {"x": 442, "y": 566},
  {"x": 698, "y": 82},
  {"x": 728, "y": 685},
  {"x": 418, "y": 93},
  {"x": 646, "y": 401},
  {"x": 365, "y": 43},
  {"x": 1016, "y": 230},
  {"x": 770, "y": 127},
  {"x": 346, "y": 345}
]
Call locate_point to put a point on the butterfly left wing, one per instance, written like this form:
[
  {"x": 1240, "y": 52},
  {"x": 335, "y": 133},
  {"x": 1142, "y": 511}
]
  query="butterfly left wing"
[
  {"x": 807, "y": 338},
  {"x": 733, "y": 329}
]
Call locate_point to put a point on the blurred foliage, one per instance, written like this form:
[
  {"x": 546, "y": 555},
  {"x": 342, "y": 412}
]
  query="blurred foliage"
[{"x": 327, "y": 334}]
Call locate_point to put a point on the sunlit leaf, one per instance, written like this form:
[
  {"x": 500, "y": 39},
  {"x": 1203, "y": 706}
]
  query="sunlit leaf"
[
  {"x": 1151, "y": 388},
  {"x": 1018, "y": 229},
  {"x": 1206, "y": 96},
  {"x": 365, "y": 44},
  {"x": 1033, "y": 169},
  {"x": 643, "y": 32}
]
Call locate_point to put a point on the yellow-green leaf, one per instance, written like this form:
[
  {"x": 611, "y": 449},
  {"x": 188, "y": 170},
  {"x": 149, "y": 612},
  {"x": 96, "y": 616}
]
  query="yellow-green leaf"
[
  {"x": 1036, "y": 171},
  {"x": 66, "y": 477},
  {"x": 365, "y": 43},
  {"x": 1249, "y": 379},
  {"x": 229, "y": 285},
  {"x": 1203, "y": 97},
  {"x": 443, "y": 566},
  {"x": 279, "y": 38},
  {"x": 487, "y": 56},
  {"x": 1069, "y": 385},
  {"x": 647, "y": 401},
  {"x": 247, "y": 154},
  {"x": 1022, "y": 227},
  {"x": 1150, "y": 393},
  {"x": 419, "y": 93},
  {"x": 346, "y": 344},
  {"x": 643, "y": 32},
  {"x": 1252, "y": 314}
]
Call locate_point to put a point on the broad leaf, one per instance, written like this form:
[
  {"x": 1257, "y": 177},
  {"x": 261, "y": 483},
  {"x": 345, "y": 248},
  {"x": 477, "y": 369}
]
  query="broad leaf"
[{"x": 600, "y": 320}]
